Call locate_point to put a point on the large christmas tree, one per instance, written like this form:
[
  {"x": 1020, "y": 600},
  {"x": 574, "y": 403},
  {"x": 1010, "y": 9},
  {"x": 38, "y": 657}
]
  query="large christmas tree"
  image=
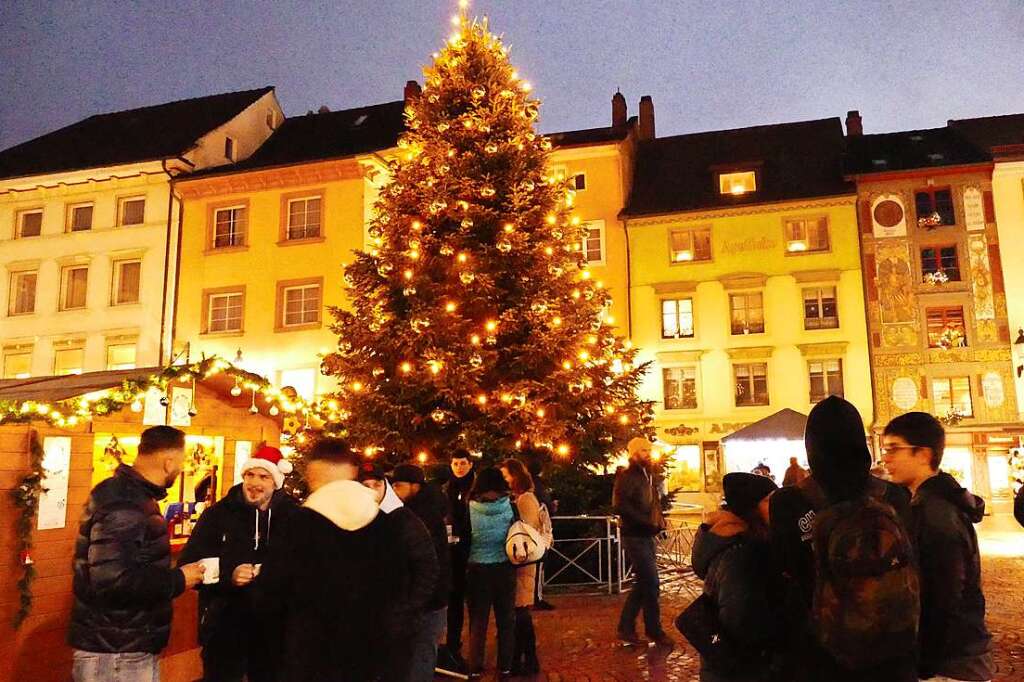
[{"x": 475, "y": 322}]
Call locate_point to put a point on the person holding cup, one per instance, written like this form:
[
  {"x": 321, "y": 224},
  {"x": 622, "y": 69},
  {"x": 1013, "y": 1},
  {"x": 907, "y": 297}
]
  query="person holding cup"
[{"x": 231, "y": 539}]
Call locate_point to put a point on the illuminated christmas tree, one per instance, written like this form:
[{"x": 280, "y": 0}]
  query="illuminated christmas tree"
[{"x": 474, "y": 320}]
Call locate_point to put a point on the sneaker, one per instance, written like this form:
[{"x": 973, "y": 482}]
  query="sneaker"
[
  {"x": 630, "y": 639},
  {"x": 662, "y": 640},
  {"x": 542, "y": 605}
]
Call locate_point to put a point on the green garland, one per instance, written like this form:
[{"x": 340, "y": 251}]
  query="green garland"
[{"x": 26, "y": 497}]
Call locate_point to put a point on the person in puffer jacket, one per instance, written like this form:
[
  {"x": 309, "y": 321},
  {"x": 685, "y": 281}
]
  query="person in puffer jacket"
[
  {"x": 731, "y": 555},
  {"x": 123, "y": 581},
  {"x": 955, "y": 644},
  {"x": 491, "y": 578}
]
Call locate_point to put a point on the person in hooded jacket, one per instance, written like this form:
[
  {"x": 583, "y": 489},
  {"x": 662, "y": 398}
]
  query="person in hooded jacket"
[
  {"x": 490, "y": 578},
  {"x": 730, "y": 554},
  {"x": 330, "y": 580},
  {"x": 237, "y": 530},
  {"x": 840, "y": 465},
  {"x": 955, "y": 644},
  {"x": 429, "y": 504}
]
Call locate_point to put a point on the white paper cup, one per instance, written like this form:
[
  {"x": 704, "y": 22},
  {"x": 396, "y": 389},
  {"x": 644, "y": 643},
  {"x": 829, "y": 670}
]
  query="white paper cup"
[
  {"x": 212, "y": 574},
  {"x": 256, "y": 569}
]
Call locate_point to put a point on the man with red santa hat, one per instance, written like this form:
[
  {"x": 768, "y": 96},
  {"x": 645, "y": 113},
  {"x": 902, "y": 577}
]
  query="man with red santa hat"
[{"x": 239, "y": 530}]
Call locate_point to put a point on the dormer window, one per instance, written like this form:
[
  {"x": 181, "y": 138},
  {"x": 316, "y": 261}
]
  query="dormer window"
[{"x": 741, "y": 182}]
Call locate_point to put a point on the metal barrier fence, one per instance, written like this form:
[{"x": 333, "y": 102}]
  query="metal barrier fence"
[{"x": 587, "y": 557}]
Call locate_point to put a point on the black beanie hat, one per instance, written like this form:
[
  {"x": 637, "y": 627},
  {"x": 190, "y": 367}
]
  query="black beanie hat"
[
  {"x": 837, "y": 449},
  {"x": 371, "y": 471},
  {"x": 407, "y": 473},
  {"x": 743, "y": 491}
]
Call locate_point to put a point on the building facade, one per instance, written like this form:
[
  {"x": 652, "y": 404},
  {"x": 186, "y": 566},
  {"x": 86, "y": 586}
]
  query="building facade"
[
  {"x": 87, "y": 234},
  {"x": 746, "y": 288},
  {"x": 936, "y": 298}
]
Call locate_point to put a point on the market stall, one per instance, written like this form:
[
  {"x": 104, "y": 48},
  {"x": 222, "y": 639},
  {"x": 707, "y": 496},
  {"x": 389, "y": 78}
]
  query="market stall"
[
  {"x": 769, "y": 443},
  {"x": 59, "y": 436}
]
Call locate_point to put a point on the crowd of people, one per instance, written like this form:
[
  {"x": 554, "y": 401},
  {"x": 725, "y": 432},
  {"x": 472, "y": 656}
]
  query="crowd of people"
[
  {"x": 840, "y": 576},
  {"x": 837, "y": 576},
  {"x": 357, "y": 584}
]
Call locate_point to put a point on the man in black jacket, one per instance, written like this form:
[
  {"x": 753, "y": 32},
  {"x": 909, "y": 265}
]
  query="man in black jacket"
[
  {"x": 412, "y": 549},
  {"x": 637, "y": 501},
  {"x": 955, "y": 644},
  {"x": 330, "y": 580},
  {"x": 123, "y": 581},
  {"x": 457, "y": 491},
  {"x": 427, "y": 502},
  {"x": 238, "y": 530}
]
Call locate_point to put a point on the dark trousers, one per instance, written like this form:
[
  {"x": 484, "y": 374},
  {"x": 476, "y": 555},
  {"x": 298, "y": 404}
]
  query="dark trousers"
[
  {"x": 487, "y": 586},
  {"x": 457, "y": 598},
  {"x": 238, "y": 651},
  {"x": 646, "y": 587},
  {"x": 525, "y": 651}
]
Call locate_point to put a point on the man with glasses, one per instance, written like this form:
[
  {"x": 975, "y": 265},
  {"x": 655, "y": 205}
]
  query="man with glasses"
[{"x": 954, "y": 642}]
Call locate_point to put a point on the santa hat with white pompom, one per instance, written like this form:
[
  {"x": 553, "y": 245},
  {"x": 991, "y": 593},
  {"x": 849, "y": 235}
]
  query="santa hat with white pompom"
[{"x": 270, "y": 459}]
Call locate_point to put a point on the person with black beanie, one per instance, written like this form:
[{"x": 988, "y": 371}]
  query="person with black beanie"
[
  {"x": 730, "y": 554},
  {"x": 840, "y": 464}
]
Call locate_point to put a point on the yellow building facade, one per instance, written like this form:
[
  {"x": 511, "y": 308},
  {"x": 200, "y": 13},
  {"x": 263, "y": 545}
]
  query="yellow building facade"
[{"x": 743, "y": 303}]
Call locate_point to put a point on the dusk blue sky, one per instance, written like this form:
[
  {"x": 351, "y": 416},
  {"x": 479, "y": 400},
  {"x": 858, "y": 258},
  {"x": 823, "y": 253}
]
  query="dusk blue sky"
[{"x": 708, "y": 65}]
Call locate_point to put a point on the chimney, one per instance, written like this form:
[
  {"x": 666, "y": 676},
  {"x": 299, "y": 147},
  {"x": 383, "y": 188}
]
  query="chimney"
[
  {"x": 646, "y": 129},
  {"x": 324, "y": 109},
  {"x": 412, "y": 91},
  {"x": 854, "y": 125},
  {"x": 618, "y": 110}
]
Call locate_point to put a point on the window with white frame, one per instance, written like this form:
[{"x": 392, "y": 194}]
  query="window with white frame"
[
  {"x": 751, "y": 384},
  {"x": 303, "y": 218},
  {"x": 17, "y": 363},
  {"x": 680, "y": 387},
  {"x": 593, "y": 242},
  {"x": 229, "y": 227},
  {"x": 74, "y": 283},
  {"x": 225, "y": 312},
  {"x": 688, "y": 245},
  {"x": 747, "y": 313},
  {"x": 80, "y": 218},
  {"x": 300, "y": 305},
  {"x": 826, "y": 378},
  {"x": 132, "y": 211},
  {"x": 30, "y": 224},
  {"x": 23, "y": 293},
  {"x": 952, "y": 392},
  {"x": 807, "y": 235},
  {"x": 677, "y": 318},
  {"x": 121, "y": 355},
  {"x": 127, "y": 279},
  {"x": 820, "y": 308},
  {"x": 69, "y": 360}
]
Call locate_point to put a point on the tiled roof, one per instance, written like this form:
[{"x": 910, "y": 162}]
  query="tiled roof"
[
  {"x": 992, "y": 131},
  {"x": 910, "y": 150},
  {"x": 794, "y": 161},
  {"x": 157, "y": 132},
  {"x": 327, "y": 135}
]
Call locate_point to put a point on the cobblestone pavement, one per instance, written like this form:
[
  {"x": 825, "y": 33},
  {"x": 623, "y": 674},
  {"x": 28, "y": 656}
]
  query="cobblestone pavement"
[{"x": 577, "y": 640}]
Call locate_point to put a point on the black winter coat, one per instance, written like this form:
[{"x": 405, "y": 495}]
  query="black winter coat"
[
  {"x": 228, "y": 530},
  {"x": 635, "y": 498},
  {"x": 738, "y": 576},
  {"x": 414, "y": 586},
  {"x": 123, "y": 581},
  {"x": 431, "y": 508},
  {"x": 954, "y": 640},
  {"x": 1018, "y": 506},
  {"x": 331, "y": 588},
  {"x": 457, "y": 492}
]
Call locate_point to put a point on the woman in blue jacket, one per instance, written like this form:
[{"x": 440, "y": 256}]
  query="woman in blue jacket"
[{"x": 490, "y": 578}]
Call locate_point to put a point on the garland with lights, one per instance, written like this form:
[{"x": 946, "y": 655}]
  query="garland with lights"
[
  {"x": 26, "y": 498},
  {"x": 476, "y": 322}
]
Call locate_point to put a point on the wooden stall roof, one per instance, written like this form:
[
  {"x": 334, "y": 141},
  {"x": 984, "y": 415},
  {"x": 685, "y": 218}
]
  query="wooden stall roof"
[
  {"x": 786, "y": 424},
  {"x": 57, "y": 388}
]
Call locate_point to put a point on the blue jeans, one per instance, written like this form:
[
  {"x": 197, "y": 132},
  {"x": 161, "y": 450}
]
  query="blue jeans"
[
  {"x": 424, "y": 645},
  {"x": 646, "y": 587},
  {"x": 124, "y": 667}
]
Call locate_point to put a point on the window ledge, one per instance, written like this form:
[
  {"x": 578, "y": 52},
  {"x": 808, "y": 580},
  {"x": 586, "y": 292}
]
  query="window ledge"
[
  {"x": 83, "y": 309},
  {"x": 298, "y": 327},
  {"x": 230, "y": 334},
  {"x": 21, "y": 314},
  {"x": 122, "y": 306},
  {"x": 299, "y": 242},
  {"x": 818, "y": 252},
  {"x": 225, "y": 249}
]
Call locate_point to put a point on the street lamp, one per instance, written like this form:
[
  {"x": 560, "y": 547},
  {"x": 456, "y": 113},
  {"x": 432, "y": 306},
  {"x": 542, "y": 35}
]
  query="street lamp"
[{"x": 1018, "y": 349}]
